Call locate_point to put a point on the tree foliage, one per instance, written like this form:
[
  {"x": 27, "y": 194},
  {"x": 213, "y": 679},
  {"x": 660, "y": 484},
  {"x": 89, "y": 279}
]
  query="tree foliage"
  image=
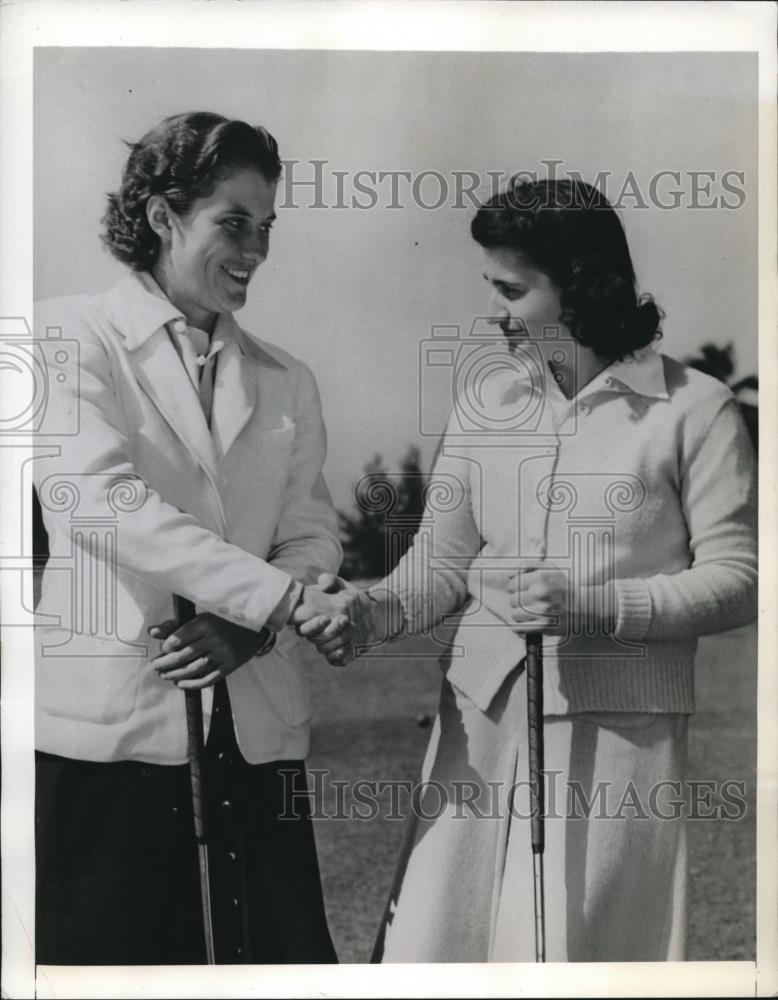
[{"x": 388, "y": 509}]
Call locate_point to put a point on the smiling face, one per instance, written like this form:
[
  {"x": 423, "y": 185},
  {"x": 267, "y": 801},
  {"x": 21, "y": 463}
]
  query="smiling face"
[
  {"x": 209, "y": 255},
  {"x": 524, "y": 300}
]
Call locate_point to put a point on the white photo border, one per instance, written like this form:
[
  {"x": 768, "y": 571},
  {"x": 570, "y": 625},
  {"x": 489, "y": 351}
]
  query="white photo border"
[{"x": 421, "y": 25}]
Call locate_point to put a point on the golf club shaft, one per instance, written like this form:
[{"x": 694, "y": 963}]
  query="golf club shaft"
[
  {"x": 540, "y": 907},
  {"x": 536, "y": 782},
  {"x": 535, "y": 732},
  {"x": 184, "y": 611}
]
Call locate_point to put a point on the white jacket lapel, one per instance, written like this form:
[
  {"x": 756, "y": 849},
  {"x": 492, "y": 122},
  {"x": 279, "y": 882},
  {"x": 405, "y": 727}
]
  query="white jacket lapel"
[
  {"x": 139, "y": 310},
  {"x": 161, "y": 374},
  {"x": 234, "y": 396}
]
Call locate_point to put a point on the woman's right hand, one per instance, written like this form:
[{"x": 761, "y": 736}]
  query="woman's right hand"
[
  {"x": 326, "y": 616},
  {"x": 540, "y": 599},
  {"x": 544, "y": 600},
  {"x": 356, "y": 618}
]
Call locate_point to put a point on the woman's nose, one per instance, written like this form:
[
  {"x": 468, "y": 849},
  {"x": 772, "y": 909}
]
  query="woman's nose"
[
  {"x": 255, "y": 248},
  {"x": 497, "y": 309}
]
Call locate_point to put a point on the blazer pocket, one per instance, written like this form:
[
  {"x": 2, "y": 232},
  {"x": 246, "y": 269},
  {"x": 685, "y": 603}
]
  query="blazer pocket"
[
  {"x": 278, "y": 433},
  {"x": 276, "y": 445},
  {"x": 88, "y": 688}
]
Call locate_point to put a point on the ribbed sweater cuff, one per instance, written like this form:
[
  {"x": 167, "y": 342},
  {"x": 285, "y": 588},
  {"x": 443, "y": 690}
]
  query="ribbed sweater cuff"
[{"x": 633, "y": 609}]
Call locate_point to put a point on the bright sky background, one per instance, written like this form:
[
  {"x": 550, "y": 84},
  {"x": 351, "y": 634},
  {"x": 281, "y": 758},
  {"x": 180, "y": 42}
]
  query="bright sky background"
[{"x": 355, "y": 292}]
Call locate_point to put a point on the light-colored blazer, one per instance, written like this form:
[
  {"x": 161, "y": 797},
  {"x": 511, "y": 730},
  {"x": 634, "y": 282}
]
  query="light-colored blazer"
[{"x": 142, "y": 501}]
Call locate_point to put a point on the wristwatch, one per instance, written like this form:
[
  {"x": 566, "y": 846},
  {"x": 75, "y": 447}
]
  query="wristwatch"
[{"x": 268, "y": 641}]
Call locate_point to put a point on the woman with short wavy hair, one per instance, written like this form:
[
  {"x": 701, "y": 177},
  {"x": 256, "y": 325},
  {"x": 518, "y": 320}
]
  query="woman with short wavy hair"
[
  {"x": 181, "y": 159},
  {"x": 214, "y": 442}
]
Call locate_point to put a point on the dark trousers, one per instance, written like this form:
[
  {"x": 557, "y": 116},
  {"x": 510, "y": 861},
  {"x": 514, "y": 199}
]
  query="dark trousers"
[{"x": 117, "y": 878}]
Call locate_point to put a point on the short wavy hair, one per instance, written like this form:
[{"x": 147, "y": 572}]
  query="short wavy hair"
[
  {"x": 182, "y": 158},
  {"x": 568, "y": 230}
]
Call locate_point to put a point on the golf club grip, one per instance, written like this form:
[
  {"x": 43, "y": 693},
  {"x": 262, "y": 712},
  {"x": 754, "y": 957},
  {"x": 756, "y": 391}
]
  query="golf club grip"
[
  {"x": 184, "y": 612},
  {"x": 535, "y": 739}
]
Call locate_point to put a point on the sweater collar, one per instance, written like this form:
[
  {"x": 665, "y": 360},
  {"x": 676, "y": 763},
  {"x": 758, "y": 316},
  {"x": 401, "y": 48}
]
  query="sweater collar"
[{"x": 643, "y": 374}]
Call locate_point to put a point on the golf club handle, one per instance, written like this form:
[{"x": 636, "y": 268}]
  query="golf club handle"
[
  {"x": 184, "y": 612},
  {"x": 535, "y": 739}
]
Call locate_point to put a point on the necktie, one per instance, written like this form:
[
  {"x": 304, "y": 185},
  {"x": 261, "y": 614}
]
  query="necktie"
[{"x": 198, "y": 352}]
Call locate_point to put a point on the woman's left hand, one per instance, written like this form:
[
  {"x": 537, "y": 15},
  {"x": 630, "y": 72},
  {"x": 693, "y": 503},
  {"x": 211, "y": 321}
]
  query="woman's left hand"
[
  {"x": 203, "y": 650},
  {"x": 540, "y": 596}
]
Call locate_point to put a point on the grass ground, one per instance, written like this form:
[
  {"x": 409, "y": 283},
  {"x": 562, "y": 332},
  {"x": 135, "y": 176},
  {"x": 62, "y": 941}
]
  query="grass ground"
[{"x": 366, "y": 726}]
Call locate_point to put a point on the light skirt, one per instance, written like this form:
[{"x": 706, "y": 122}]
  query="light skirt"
[{"x": 615, "y": 880}]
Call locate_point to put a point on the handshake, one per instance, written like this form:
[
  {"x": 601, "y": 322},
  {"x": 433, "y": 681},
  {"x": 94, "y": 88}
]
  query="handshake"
[
  {"x": 337, "y": 617},
  {"x": 332, "y": 614}
]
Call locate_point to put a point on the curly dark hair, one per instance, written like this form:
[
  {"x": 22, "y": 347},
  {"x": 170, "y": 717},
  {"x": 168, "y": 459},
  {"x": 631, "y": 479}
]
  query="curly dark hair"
[
  {"x": 182, "y": 158},
  {"x": 568, "y": 230}
]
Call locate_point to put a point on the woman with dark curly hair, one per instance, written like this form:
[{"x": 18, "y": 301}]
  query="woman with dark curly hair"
[
  {"x": 201, "y": 448},
  {"x": 594, "y": 489}
]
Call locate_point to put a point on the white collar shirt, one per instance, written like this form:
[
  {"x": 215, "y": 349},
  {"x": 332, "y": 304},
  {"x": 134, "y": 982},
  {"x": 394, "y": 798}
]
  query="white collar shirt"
[{"x": 197, "y": 349}]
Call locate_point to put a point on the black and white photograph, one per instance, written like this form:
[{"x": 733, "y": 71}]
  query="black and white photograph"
[{"x": 388, "y": 535}]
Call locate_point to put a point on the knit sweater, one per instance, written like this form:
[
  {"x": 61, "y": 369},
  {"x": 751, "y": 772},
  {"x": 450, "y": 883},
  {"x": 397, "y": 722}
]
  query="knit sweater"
[{"x": 646, "y": 478}]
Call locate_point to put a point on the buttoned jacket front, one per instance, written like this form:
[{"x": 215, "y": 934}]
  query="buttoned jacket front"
[{"x": 142, "y": 501}]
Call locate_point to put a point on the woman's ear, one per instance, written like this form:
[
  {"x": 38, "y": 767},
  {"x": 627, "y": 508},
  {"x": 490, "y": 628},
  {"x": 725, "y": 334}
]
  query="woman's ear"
[{"x": 158, "y": 213}]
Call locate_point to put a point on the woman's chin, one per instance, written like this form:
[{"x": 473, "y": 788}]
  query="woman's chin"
[{"x": 233, "y": 299}]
